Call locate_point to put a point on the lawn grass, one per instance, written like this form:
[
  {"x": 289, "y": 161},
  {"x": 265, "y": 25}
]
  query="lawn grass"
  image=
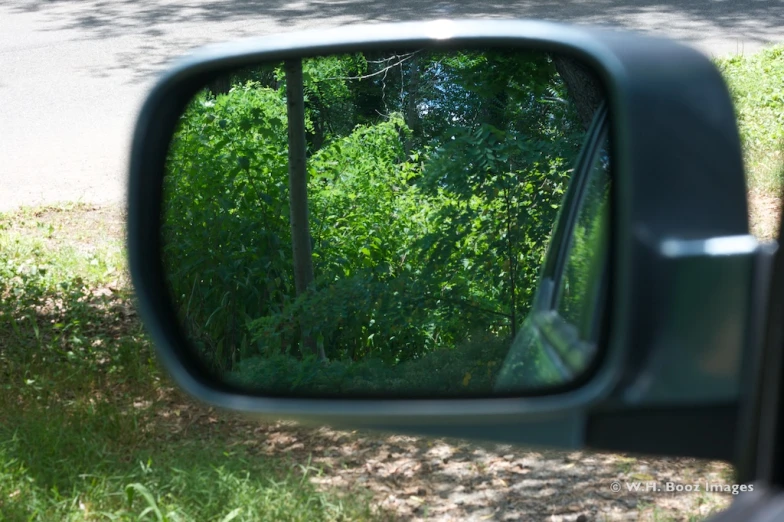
[{"x": 91, "y": 429}]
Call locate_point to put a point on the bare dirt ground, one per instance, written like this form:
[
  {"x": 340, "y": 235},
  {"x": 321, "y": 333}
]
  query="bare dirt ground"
[
  {"x": 764, "y": 214},
  {"x": 417, "y": 478}
]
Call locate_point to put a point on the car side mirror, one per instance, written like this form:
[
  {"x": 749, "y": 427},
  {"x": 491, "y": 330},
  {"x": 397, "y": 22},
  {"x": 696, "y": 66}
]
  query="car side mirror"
[{"x": 508, "y": 230}]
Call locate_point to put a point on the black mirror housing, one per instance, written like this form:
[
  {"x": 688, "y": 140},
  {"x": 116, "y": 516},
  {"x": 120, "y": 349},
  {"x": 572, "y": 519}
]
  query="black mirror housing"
[{"x": 677, "y": 335}]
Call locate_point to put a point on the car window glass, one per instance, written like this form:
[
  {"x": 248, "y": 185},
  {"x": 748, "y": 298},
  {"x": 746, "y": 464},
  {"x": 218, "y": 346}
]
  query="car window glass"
[{"x": 580, "y": 283}]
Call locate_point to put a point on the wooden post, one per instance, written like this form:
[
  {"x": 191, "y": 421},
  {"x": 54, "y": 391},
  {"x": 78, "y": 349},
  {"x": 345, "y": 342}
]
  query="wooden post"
[{"x": 298, "y": 191}]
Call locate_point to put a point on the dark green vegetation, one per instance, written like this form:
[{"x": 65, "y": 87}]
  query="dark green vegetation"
[
  {"x": 435, "y": 180},
  {"x": 89, "y": 427}
]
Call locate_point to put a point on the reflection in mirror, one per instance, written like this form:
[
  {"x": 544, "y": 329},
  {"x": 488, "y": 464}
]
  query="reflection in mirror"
[
  {"x": 570, "y": 329},
  {"x": 375, "y": 224}
]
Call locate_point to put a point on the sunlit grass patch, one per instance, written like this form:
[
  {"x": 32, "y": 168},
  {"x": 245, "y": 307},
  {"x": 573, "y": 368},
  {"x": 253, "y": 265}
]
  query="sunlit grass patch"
[{"x": 756, "y": 84}]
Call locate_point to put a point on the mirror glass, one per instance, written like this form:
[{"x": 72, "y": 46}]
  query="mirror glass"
[{"x": 378, "y": 223}]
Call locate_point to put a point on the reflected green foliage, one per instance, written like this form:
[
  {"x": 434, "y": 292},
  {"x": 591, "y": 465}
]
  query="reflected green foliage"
[
  {"x": 468, "y": 368},
  {"x": 435, "y": 180},
  {"x": 228, "y": 176}
]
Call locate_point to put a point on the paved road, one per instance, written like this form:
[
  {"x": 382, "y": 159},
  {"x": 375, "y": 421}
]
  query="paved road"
[{"x": 73, "y": 72}]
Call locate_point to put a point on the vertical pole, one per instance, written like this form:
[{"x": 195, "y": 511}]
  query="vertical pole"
[{"x": 298, "y": 191}]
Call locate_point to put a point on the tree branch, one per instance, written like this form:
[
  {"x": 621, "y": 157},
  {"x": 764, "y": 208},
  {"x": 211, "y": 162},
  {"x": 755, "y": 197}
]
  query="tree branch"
[{"x": 382, "y": 71}]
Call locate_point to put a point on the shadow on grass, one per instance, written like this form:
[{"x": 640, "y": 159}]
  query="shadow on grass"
[
  {"x": 91, "y": 427},
  {"x": 54, "y": 462}
]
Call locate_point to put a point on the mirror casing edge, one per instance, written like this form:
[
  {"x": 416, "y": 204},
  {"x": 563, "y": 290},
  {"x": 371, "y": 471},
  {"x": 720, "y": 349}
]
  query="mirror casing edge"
[{"x": 628, "y": 65}]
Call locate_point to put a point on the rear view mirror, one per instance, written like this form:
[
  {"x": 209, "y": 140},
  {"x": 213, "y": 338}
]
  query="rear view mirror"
[
  {"x": 376, "y": 223},
  {"x": 510, "y": 230}
]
